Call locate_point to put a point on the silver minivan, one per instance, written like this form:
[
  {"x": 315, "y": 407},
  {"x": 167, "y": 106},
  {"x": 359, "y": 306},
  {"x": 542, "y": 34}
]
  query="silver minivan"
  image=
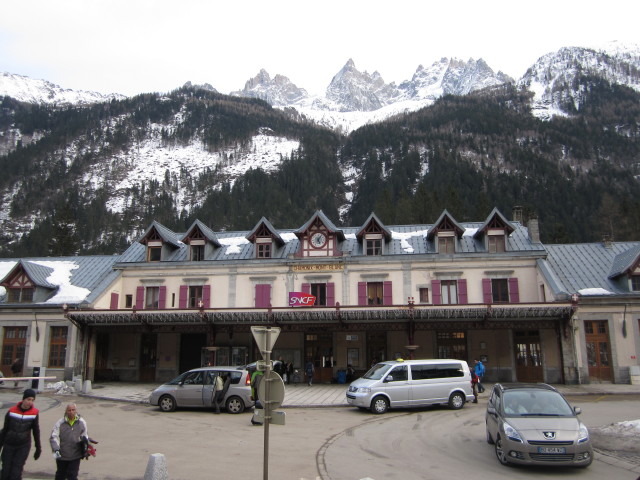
[{"x": 412, "y": 383}]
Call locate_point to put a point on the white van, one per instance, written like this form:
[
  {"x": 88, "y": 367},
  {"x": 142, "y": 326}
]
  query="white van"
[{"x": 412, "y": 383}]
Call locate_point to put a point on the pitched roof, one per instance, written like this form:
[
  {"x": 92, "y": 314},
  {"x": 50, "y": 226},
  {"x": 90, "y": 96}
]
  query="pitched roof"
[
  {"x": 495, "y": 214},
  {"x": 319, "y": 215}
]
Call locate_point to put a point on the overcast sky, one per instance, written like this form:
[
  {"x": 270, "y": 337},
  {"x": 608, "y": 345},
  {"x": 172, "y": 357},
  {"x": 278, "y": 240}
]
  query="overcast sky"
[{"x": 135, "y": 46}]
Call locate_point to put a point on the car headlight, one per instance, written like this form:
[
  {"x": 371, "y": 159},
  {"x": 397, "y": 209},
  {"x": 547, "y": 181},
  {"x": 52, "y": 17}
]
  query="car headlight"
[
  {"x": 512, "y": 433},
  {"x": 583, "y": 434},
  {"x": 364, "y": 390}
]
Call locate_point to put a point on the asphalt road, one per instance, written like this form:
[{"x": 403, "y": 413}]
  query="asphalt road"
[{"x": 315, "y": 443}]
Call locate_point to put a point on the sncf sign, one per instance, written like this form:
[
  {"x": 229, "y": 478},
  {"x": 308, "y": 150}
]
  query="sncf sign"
[{"x": 301, "y": 299}]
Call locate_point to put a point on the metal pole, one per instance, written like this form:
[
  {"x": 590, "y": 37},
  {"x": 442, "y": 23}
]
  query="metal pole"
[{"x": 266, "y": 405}]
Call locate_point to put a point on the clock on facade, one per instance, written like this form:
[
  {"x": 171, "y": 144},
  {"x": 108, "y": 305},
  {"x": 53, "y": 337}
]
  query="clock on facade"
[{"x": 318, "y": 240}]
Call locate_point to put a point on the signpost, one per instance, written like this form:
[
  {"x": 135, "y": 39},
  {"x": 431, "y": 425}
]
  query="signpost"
[{"x": 271, "y": 388}]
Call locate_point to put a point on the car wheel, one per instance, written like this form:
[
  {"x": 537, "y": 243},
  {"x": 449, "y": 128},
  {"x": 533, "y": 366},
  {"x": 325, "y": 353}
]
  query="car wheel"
[
  {"x": 167, "y": 403},
  {"x": 500, "y": 453},
  {"x": 456, "y": 401},
  {"x": 489, "y": 439},
  {"x": 379, "y": 405},
  {"x": 234, "y": 405}
]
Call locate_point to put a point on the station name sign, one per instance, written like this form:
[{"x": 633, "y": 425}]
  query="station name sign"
[{"x": 318, "y": 267}]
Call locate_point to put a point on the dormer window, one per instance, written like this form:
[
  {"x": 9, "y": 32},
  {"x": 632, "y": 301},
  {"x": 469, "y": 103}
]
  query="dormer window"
[
  {"x": 635, "y": 283},
  {"x": 496, "y": 242},
  {"x": 154, "y": 251},
  {"x": 197, "y": 250},
  {"x": 373, "y": 244},
  {"x": 20, "y": 295},
  {"x": 263, "y": 247},
  {"x": 446, "y": 242}
]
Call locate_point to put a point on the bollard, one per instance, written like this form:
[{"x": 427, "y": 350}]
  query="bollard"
[
  {"x": 156, "y": 468},
  {"x": 86, "y": 387}
]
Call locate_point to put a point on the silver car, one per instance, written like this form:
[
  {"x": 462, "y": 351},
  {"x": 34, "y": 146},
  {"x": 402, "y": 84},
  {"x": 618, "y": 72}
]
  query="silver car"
[
  {"x": 534, "y": 424},
  {"x": 195, "y": 389}
]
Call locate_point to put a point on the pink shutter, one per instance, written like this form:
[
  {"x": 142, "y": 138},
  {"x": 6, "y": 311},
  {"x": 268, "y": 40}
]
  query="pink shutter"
[
  {"x": 387, "y": 293},
  {"x": 306, "y": 288},
  {"x": 463, "y": 298},
  {"x": 162, "y": 301},
  {"x": 114, "y": 301},
  {"x": 263, "y": 296},
  {"x": 514, "y": 292},
  {"x": 331, "y": 294},
  {"x": 362, "y": 293},
  {"x": 486, "y": 291},
  {"x": 436, "y": 292},
  {"x": 184, "y": 295},
  {"x": 206, "y": 296},
  {"x": 139, "y": 298}
]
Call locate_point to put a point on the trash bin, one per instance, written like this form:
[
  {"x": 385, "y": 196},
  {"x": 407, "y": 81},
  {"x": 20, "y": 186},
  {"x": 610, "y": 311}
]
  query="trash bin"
[
  {"x": 342, "y": 376},
  {"x": 38, "y": 383}
]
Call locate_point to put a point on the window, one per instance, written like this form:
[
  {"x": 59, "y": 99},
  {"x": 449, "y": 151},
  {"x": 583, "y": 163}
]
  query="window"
[
  {"x": 446, "y": 245},
  {"x": 319, "y": 290},
  {"x": 424, "y": 295},
  {"x": 496, "y": 244},
  {"x": 449, "y": 290},
  {"x": 635, "y": 283},
  {"x": 57, "y": 347},
  {"x": 263, "y": 295},
  {"x": 500, "y": 290},
  {"x": 128, "y": 301},
  {"x": 398, "y": 374},
  {"x": 374, "y": 246},
  {"x": 154, "y": 253},
  {"x": 20, "y": 295},
  {"x": 452, "y": 345},
  {"x": 197, "y": 253},
  {"x": 263, "y": 250},
  {"x": 13, "y": 346},
  {"x": 374, "y": 293},
  {"x": 152, "y": 298},
  {"x": 195, "y": 296}
]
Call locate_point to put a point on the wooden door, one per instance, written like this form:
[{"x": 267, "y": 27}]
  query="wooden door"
[
  {"x": 14, "y": 344},
  {"x": 528, "y": 356},
  {"x": 598, "y": 350},
  {"x": 148, "y": 357}
]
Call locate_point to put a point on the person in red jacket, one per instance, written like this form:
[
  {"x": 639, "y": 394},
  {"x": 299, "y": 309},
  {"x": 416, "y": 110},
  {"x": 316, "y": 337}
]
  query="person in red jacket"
[{"x": 20, "y": 422}]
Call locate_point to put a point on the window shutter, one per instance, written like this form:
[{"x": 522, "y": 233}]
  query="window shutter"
[
  {"x": 462, "y": 292},
  {"x": 331, "y": 294},
  {"x": 206, "y": 296},
  {"x": 514, "y": 292},
  {"x": 162, "y": 301},
  {"x": 306, "y": 288},
  {"x": 387, "y": 296},
  {"x": 184, "y": 294},
  {"x": 362, "y": 293},
  {"x": 263, "y": 296},
  {"x": 436, "y": 292},
  {"x": 139, "y": 298},
  {"x": 486, "y": 290},
  {"x": 114, "y": 301}
]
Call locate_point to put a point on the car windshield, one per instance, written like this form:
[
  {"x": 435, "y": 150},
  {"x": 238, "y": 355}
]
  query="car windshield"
[
  {"x": 535, "y": 403},
  {"x": 377, "y": 371},
  {"x": 178, "y": 379}
]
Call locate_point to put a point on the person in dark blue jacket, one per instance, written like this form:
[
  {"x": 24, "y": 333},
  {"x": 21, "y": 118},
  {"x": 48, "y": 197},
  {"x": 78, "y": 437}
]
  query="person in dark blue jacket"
[{"x": 20, "y": 422}]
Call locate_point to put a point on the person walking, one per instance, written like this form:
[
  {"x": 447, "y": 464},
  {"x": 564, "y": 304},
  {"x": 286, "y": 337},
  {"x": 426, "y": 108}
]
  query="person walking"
[
  {"x": 289, "y": 372},
  {"x": 68, "y": 437},
  {"x": 256, "y": 378},
  {"x": 474, "y": 385},
  {"x": 479, "y": 370},
  {"x": 20, "y": 422},
  {"x": 309, "y": 370},
  {"x": 16, "y": 369}
]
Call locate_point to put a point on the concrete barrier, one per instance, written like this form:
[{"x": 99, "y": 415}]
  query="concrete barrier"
[
  {"x": 634, "y": 373},
  {"x": 156, "y": 468}
]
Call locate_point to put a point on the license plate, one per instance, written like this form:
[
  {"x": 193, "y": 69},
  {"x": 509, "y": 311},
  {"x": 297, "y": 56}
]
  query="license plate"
[{"x": 551, "y": 450}]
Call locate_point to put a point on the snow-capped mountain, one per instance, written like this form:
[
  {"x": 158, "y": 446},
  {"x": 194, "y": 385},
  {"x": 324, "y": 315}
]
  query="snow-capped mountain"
[
  {"x": 28, "y": 90},
  {"x": 556, "y": 78}
]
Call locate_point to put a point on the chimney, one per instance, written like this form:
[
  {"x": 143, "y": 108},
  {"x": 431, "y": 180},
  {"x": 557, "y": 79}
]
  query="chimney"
[
  {"x": 607, "y": 240},
  {"x": 534, "y": 230},
  {"x": 517, "y": 214}
]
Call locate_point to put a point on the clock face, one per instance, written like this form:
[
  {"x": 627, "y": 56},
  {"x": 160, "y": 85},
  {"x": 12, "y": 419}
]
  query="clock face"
[{"x": 318, "y": 240}]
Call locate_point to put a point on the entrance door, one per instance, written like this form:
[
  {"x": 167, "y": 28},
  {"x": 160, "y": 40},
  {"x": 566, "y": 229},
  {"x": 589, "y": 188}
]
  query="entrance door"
[
  {"x": 14, "y": 345},
  {"x": 452, "y": 345},
  {"x": 148, "y": 356},
  {"x": 376, "y": 348},
  {"x": 319, "y": 349},
  {"x": 528, "y": 356},
  {"x": 598, "y": 350},
  {"x": 191, "y": 345}
]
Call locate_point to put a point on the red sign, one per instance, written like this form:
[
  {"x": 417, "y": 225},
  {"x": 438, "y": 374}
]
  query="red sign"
[{"x": 301, "y": 299}]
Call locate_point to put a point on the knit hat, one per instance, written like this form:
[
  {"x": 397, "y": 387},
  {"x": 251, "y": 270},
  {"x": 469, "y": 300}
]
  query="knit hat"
[{"x": 29, "y": 392}]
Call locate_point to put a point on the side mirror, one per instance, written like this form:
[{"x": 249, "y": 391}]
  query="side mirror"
[
  {"x": 388, "y": 378},
  {"x": 577, "y": 410},
  {"x": 491, "y": 410}
]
